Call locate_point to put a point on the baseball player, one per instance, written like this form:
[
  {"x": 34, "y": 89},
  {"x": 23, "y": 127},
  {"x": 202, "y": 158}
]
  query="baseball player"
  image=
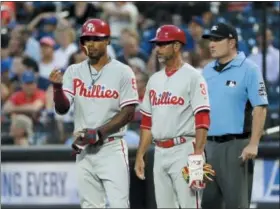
[
  {"x": 175, "y": 112},
  {"x": 104, "y": 95}
]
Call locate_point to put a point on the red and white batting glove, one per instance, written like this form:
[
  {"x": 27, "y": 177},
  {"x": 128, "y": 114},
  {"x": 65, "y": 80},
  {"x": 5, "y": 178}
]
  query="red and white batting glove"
[
  {"x": 84, "y": 137},
  {"x": 195, "y": 172}
]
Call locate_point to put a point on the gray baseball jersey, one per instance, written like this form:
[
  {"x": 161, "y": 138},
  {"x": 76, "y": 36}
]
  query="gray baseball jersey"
[
  {"x": 97, "y": 98},
  {"x": 172, "y": 101},
  {"x": 114, "y": 87}
]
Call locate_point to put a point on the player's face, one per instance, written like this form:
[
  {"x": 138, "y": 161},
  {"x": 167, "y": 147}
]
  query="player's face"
[
  {"x": 96, "y": 46},
  {"x": 219, "y": 47},
  {"x": 165, "y": 51}
]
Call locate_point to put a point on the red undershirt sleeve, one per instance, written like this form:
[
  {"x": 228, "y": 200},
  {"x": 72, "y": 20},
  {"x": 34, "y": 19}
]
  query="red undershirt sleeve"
[{"x": 202, "y": 119}]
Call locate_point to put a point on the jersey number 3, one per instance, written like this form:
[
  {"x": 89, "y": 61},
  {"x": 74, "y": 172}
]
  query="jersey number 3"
[{"x": 203, "y": 89}]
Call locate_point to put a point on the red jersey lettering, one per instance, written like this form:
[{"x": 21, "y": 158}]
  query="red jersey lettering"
[
  {"x": 165, "y": 98},
  {"x": 96, "y": 91}
]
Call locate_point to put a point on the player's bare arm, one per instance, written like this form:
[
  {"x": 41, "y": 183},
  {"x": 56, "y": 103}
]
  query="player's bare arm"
[
  {"x": 259, "y": 115},
  {"x": 118, "y": 121},
  {"x": 145, "y": 141},
  {"x": 201, "y": 137}
]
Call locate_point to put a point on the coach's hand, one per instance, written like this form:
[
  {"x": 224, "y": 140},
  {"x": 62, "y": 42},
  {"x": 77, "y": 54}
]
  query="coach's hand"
[
  {"x": 249, "y": 152},
  {"x": 56, "y": 76},
  {"x": 140, "y": 167}
]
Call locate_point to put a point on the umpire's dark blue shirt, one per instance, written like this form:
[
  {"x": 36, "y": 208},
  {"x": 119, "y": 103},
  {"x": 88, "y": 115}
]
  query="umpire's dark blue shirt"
[{"x": 232, "y": 94}]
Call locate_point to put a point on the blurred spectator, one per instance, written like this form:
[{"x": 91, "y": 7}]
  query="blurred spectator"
[
  {"x": 48, "y": 60},
  {"x": 195, "y": 60},
  {"x": 162, "y": 17},
  {"x": 25, "y": 12},
  {"x": 204, "y": 53},
  {"x": 21, "y": 130},
  {"x": 19, "y": 65},
  {"x": 6, "y": 84},
  {"x": 141, "y": 81},
  {"x": 59, "y": 120},
  {"x": 30, "y": 64},
  {"x": 272, "y": 57},
  {"x": 17, "y": 68},
  {"x": 6, "y": 61},
  {"x": 16, "y": 44},
  {"x": 208, "y": 19},
  {"x": 130, "y": 48},
  {"x": 137, "y": 65},
  {"x": 195, "y": 27},
  {"x": 32, "y": 46},
  {"x": 30, "y": 100},
  {"x": 4, "y": 93},
  {"x": 65, "y": 38},
  {"x": 8, "y": 10},
  {"x": 77, "y": 57},
  {"x": 120, "y": 15},
  {"x": 46, "y": 23},
  {"x": 4, "y": 46},
  {"x": 80, "y": 11}
]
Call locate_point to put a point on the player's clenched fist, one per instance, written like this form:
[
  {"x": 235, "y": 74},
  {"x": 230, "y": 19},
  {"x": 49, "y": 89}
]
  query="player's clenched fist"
[{"x": 56, "y": 76}]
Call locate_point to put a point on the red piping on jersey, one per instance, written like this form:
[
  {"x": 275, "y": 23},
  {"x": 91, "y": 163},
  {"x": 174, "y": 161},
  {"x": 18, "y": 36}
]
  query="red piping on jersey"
[
  {"x": 146, "y": 122},
  {"x": 145, "y": 113},
  {"x": 202, "y": 119},
  {"x": 61, "y": 102},
  {"x": 133, "y": 101},
  {"x": 124, "y": 155},
  {"x": 201, "y": 108}
]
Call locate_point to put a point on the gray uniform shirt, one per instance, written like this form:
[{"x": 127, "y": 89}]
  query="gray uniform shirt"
[
  {"x": 172, "y": 101},
  {"x": 94, "y": 105}
]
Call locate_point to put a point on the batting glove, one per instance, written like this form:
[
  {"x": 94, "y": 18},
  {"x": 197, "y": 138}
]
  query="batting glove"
[
  {"x": 84, "y": 137},
  {"x": 197, "y": 172}
]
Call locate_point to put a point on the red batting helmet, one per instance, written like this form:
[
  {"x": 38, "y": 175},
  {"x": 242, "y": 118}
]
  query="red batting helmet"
[
  {"x": 168, "y": 33},
  {"x": 95, "y": 27}
]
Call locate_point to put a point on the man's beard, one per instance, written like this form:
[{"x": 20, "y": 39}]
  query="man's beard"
[
  {"x": 95, "y": 59},
  {"x": 165, "y": 59}
]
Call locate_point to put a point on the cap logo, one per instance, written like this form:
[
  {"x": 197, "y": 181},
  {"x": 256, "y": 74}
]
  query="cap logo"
[
  {"x": 230, "y": 35},
  {"x": 90, "y": 27},
  {"x": 215, "y": 27}
]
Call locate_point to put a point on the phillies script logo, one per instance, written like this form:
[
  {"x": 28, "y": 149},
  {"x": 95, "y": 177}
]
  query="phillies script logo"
[
  {"x": 165, "y": 98},
  {"x": 96, "y": 91}
]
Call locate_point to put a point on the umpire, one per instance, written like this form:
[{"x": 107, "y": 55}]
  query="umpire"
[{"x": 238, "y": 104}]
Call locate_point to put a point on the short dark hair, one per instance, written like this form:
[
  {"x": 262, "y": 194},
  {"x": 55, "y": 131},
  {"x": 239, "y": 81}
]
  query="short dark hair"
[{"x": 30, "y": 63}]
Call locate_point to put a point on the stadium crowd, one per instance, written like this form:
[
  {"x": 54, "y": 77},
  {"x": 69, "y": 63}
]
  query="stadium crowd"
[{"x": 37, "y": 37}]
